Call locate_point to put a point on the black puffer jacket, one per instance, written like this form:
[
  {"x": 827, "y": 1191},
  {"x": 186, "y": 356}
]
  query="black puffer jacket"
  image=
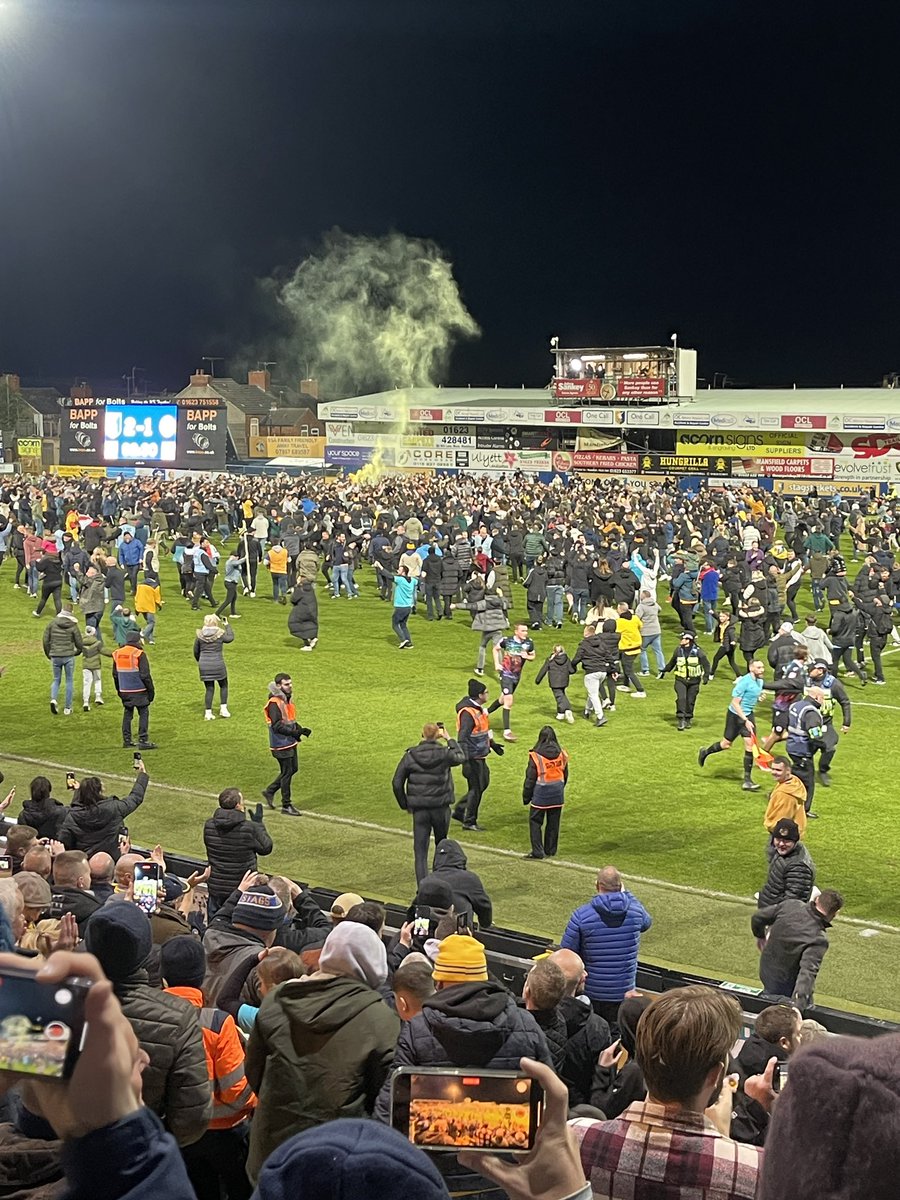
[
  {"x": 586, "y": 1035},
  {"x": 175, "y": 1083},
  {"x": 45, "y": 816},
  {"x": 559, "y": 670},
  {"x": 422, "y": 779},
  {"x": 466, "y": 1025},
  {"x": 600, "y": 652},
  {"x": 232, "y": 844},
  {"x": 450, "y": 867},
  {"x": 450, "y": 579},
  {"x": 791, "y": 877},
  {"x": 553, "y": 1026},
  {"x": 303, "y": 619},
  {"x": 96, "y": 827}
]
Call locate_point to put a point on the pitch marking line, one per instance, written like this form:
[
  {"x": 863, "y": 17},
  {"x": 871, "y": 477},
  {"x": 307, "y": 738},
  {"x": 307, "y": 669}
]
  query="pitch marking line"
[{"x": 684, "y": 888}]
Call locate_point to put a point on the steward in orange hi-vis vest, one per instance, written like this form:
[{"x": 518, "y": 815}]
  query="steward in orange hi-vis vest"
[
  {"x": 134, "y": 684},
  {"x": 545, "y": 791}
]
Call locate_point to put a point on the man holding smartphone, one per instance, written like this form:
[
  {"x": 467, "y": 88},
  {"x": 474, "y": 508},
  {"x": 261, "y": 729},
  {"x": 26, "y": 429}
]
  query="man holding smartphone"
[{"x": 423, "y": 786}]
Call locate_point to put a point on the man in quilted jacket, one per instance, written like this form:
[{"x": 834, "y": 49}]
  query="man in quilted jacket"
[{"x": 606, "y": 933}]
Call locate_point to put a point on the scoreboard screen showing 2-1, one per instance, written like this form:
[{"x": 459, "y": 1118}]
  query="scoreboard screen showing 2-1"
[
  {"x": 140, "y": 433},
  {"x": 177, "y": 433}
]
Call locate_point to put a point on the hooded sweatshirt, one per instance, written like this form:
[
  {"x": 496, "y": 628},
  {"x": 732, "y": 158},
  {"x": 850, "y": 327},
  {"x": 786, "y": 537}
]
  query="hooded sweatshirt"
[
  {"x": 450, "y": 867},
  {"x": 321, "y": 1049}
]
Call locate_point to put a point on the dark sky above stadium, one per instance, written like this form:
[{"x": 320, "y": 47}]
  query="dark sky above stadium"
[{"x": 609, "y": 171}]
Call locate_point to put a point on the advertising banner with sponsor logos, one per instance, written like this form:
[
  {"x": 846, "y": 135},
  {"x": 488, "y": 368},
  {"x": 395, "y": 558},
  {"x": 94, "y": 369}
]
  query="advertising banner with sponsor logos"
[
  {"x": 684, "y": 464},
  {"x": 576, "y": 389},
  {"x": 351, "y": 458},
  {"x": 600, "y": 460},
  {"x": 506, "y": 460},
  {"x": 430, "y": 458},
  {"x": 641, "y": 387},
  {"x": 742, "y": 445},
  {"x": 286, "y": 447}
]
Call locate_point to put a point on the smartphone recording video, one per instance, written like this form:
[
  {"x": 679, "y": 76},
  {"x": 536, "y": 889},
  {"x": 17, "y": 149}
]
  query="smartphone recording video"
[
  {"x": 422, "y": 921},
  {"x": 41, "y": 1024},
  {"x": 5, "y": 866},
  {"x": 464, "y": 1110},
  {"x": 147, "y": 880}
]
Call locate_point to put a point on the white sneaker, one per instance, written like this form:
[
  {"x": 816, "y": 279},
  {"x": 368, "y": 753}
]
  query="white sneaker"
[
  {"x": 223, "y": 710},
  {"x": 99, "y": 702},
  {"x": 67, "y": 712},
  {"x": 312, "y": 644},
  {"x": 208, "y": 715},
  {"x": 306, "y": 648},
  {"x": 560, "y": 716},
  {"x": 622, "y": 687},
  {"x": 253, "y": 595},
  {"x": 639, "y": 695},
  {"x": 570, "y": 716}
]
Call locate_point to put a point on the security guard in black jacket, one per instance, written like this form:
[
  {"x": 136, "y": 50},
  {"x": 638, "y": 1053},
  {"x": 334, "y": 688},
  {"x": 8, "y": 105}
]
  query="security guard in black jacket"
[
  {"x": 690, "y": 665},
  {"x": 806, "y": 735}
]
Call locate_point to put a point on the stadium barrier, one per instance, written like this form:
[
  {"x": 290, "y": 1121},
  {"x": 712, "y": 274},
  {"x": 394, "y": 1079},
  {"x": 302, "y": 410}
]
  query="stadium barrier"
[{"x": 511, "y": 955}]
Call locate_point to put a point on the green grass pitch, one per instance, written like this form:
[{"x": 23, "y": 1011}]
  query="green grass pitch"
[{"x": 690, "y": 842}]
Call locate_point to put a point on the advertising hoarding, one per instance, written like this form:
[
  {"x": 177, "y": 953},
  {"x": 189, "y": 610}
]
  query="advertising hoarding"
[{"x": 185, "y": 434}]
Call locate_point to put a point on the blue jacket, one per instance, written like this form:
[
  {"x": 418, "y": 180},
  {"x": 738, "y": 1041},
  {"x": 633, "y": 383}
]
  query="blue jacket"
[
  {"x": 130, "y": 553},
  {"x": 606, "y": 933},
  {"x": 709, "y": 586},
  {"x": 132, "y": 1159}
]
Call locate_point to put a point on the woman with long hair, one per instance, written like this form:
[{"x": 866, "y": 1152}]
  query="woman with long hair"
[{"x": 545, "y": 791}]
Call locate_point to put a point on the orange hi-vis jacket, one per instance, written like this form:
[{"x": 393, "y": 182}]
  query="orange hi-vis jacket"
[
  {"x": 287, "y": 712},
  {"x": 127, "y": 662},
  {"x": 476, "y": 744},
  {"x": 233, "y": 1098},
  {"x": 550, "y": 780}
]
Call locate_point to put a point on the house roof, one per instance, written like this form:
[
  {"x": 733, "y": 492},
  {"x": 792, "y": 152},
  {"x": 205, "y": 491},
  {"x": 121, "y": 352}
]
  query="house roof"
[{"x": 46, "y": 401}]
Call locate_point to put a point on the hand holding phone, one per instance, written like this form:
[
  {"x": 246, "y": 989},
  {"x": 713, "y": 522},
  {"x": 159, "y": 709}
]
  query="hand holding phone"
[
  {"x": 5, "y": 866},
  {"x": 71, "y": 781},
  {"x": 43, "y": 1023},
  {"x": 422, "y": 921},
  {"x": 148, "y": 882}
]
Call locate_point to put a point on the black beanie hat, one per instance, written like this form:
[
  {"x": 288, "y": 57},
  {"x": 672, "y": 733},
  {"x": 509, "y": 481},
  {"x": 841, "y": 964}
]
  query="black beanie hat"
[
  {"x": 476, "y": 688},
  {"x": 787, "y": 829},
  {"x": 182, "y": 961}
]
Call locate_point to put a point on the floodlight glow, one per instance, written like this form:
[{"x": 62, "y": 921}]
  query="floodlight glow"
[{"x": 575, "y": 363}]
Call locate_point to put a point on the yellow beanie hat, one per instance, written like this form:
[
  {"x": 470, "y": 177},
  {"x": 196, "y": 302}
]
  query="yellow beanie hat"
[{"x": 460, "y": 959}]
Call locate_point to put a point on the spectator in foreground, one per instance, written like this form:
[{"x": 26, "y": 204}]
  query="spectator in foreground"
[
  {"x": 237, "y": 937},
  {"x": 93, "y": 822},
  {"x": 792, "y": 944},
  {"x": 587, "y": 1034},
  {"x": 606, "y": 933},
  {"x": 321, "y": 1046},
  {"x": 682, "y": 1045},
  {"x": 776, "y": 1034},
  {"x": 232, "y": 844},
  {"x": 217, "y": 1161},
  {"x": 834, "y": 1133},
  {"x": 545, "y": 986},
  {"x": 618, "y": 1080},
  {"x": 175, "y": 1082},
  {"x": 471, "y": 1021},
  {"x": 469, "y": 895}
]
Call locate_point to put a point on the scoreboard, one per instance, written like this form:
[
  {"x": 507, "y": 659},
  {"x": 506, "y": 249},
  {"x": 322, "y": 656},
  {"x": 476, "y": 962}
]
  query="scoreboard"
[{"x": 178, "y": 433}]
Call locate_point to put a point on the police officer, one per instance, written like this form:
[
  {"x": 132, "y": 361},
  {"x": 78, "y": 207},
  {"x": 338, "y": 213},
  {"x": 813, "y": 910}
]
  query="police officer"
[
  {"x": 284, "y": 738},
  {"x": 834, "y": 692},
  {"x": 473, "y": 733},
  {"x": 806, "y": 735},
  {"x": 689, "y": 665}
]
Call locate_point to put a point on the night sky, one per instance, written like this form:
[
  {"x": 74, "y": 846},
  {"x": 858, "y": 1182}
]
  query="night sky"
[{"x": 610, "y": 172}]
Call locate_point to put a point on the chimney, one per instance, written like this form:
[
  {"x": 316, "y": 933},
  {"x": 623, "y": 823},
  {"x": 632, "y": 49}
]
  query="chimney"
[
  {"x": 261, "y": 379},
  {"x": 199, "y": 379},
  {"x": 13, "y": 382},
  {"x": 310, "y": 387}
]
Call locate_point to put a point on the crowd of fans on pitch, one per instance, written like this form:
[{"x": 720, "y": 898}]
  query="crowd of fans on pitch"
[{"x": 248, "y": 1039}]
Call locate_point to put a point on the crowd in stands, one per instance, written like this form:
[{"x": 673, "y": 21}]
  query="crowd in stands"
[{"x": 243, "y": 1041}]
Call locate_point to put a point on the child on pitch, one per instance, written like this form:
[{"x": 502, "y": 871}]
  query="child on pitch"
[{"x": 558, "y": 670}]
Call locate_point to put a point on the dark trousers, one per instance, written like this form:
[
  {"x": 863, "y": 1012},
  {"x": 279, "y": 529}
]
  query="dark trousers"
[
  {"x": 477, "y": 775},
  {"x": 46, "y": 593},
  {"x": 210, "y": 685},
  {"x": 287, "y": 769},
  {"x": 398, "y": 621},
  {"x": 686, "y": 616},
  {"x": 432, "y": 601},
  {"x": 629, "y": 661},
  {"x": 729, "y": 654},
  {"x": 230, "y": 599},
  {"x": 536, "y": 612},
  {"x": 562, "y": 700},
  {"x": 546, "y": 844},
  {"x": 143, "y": 712},
  {"x": 686, "y": 697},
  {"x": 805, "y": 770},
  {"x": 517, "y": 566},
  {"x": 202, "y": 587},
  {"x": 217, "y": 1164},
  {"x": 425, "y": 822},
  {"x": 131, "y": 570}
]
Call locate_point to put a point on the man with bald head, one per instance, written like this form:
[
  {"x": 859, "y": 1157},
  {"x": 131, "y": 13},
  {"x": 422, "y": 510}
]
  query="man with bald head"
[
  {"x": 102, "y": 867},
  {"x": 606, "y": 933},
  {"x": 124, "y": 873},
  {"x": 39, "y": 861},
  {"x": 587, "y": 1033},
  {"x": 71, "y": 888}
]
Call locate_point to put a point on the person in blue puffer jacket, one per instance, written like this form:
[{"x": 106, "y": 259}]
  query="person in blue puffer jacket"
[{"x": 606, "y": 933}]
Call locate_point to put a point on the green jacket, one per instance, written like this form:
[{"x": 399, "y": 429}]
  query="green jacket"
[
  {"x": 62, "y": 637},
  {"x": 321, "y": 1048},
  {"x": 92, "y": 648}
]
